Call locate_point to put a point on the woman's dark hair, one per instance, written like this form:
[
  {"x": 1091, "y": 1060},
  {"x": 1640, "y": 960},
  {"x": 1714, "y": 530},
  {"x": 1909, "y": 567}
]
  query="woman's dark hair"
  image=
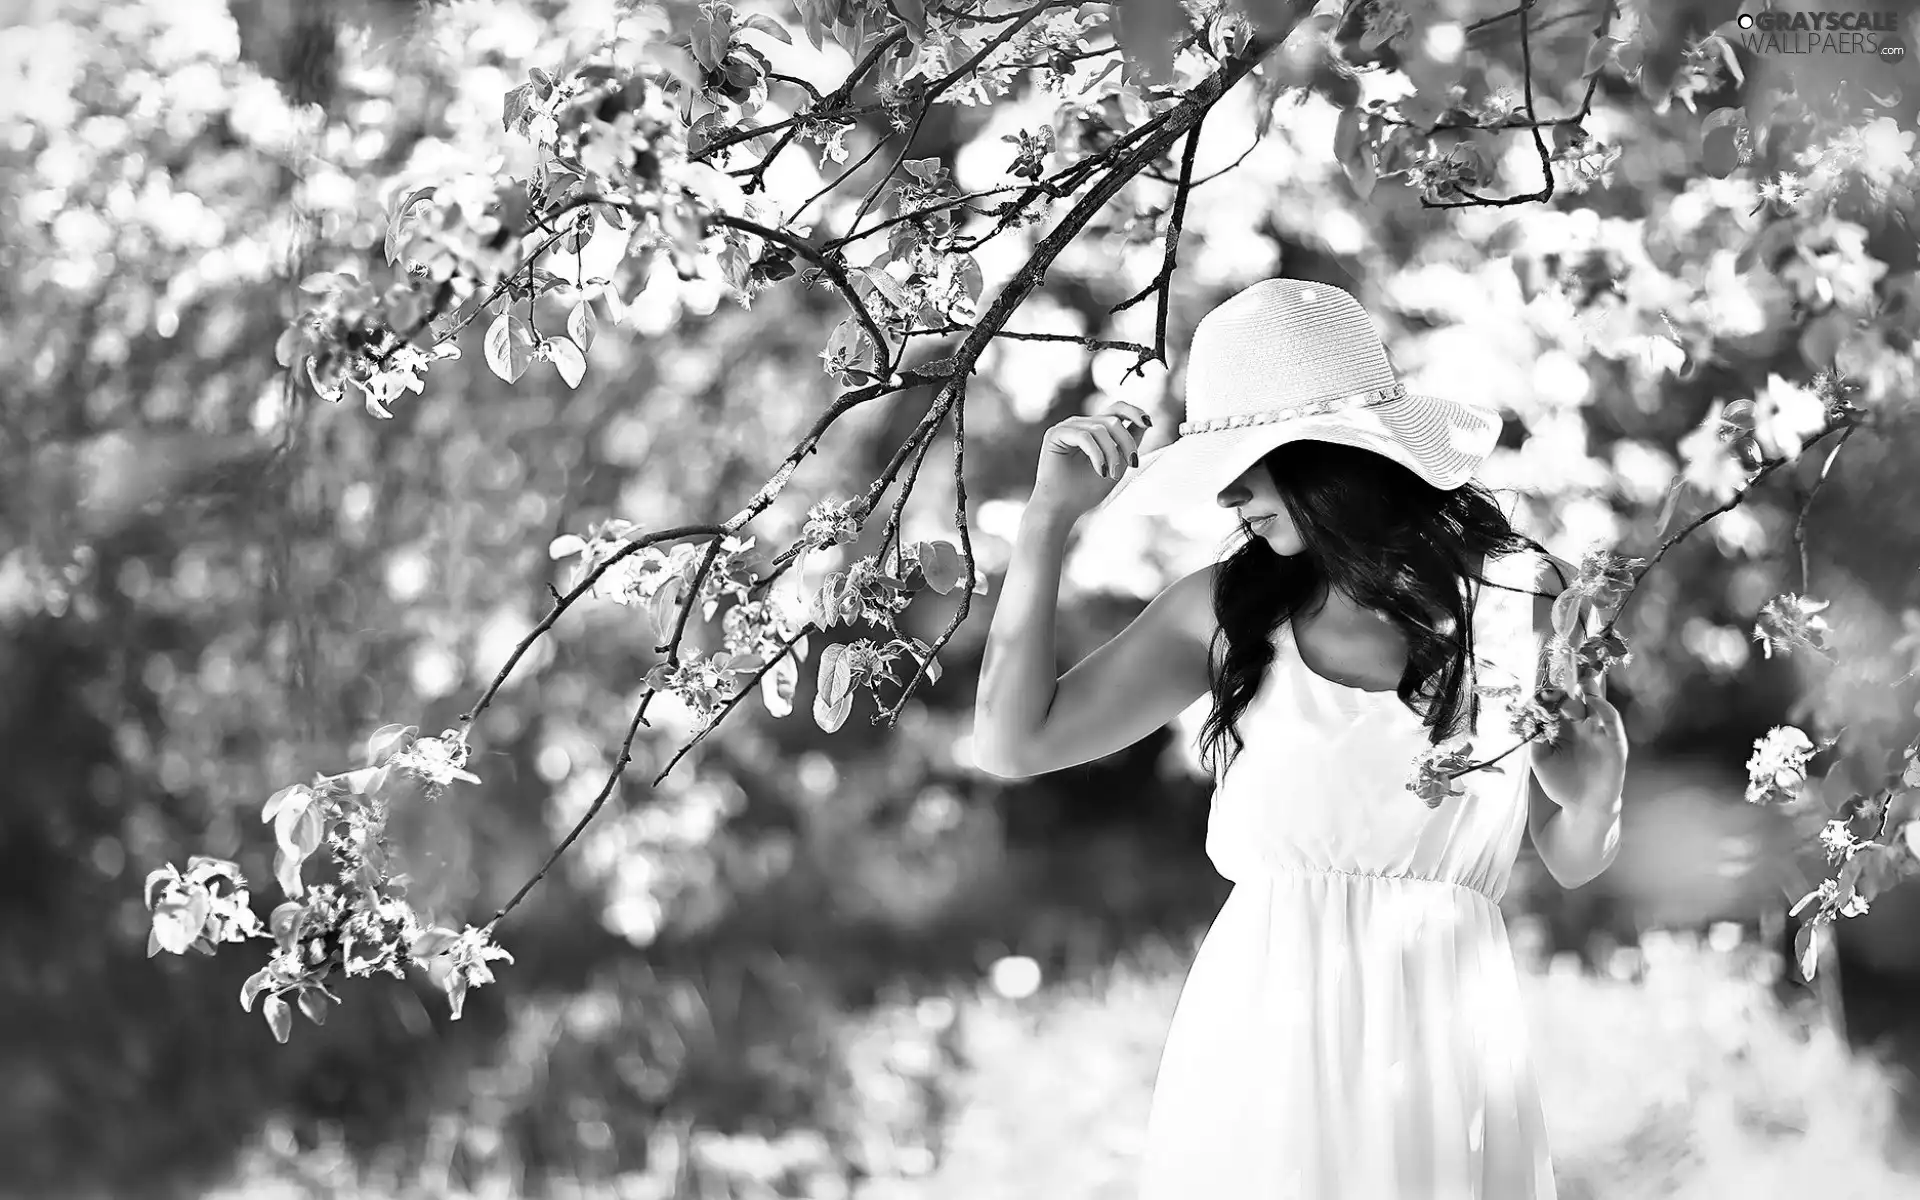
[{"x": 1386, "y": 538}]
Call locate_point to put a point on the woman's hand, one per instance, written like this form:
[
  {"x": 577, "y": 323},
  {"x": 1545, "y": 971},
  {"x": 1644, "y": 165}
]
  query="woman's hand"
[
  {"x": 1586, "y": 767},
  {"x": 1082, "y": 458}
]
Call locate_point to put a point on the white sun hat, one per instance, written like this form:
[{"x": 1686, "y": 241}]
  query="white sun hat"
[{"x": 1287, "y": 360}]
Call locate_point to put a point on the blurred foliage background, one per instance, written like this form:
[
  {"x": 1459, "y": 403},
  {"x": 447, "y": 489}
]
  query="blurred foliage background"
[{"x": 846, "y": 965}]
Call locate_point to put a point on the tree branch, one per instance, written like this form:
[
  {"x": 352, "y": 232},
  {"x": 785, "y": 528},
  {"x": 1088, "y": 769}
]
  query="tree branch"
[
  {"x": 563, "y": 602},
  {"x": 1806, "y": 505},
  {"x": 1177, "y": 121},
  {"x": 1163, "y": 282}
]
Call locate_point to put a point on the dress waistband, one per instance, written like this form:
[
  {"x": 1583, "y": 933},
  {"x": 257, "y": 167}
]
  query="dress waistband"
[{"x": 1337, "y": 874}]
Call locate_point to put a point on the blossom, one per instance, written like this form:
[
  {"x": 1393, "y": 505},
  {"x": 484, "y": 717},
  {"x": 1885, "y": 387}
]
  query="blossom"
[
  {"x": 1778, "y": 766},
  {"x": 1790, "y": 622},
  {"x": 830, "y": 522},
  {"x": 1709, "y": 465},
  {"x": 1838, "y": 840},
  {"x": 1437, "y": 771},
  {"x": 1786, "y": 414},
  {"x": 439, "y": 760}
]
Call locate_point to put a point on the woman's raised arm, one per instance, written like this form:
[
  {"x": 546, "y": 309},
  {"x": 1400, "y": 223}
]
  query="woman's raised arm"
[{"x": 1027, "y": 721}]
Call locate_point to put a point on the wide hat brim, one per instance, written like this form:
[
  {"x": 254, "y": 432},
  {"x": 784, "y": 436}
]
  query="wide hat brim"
[{"x": 1442, "y": 441}]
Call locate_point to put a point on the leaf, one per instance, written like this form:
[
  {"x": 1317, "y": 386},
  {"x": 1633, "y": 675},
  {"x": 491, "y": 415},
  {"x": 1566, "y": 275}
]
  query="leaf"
[
  {"x": 923, "y": 654},
  {"x": 509, "y": 347},
  {"x": 581, "y": 325},
  {"x": 1351, "y": 152},
  {"x": 251, "y": 989},
  {"x": 313, "y": 1002},
  {"x": 834, "y": 698},
  {"x": 664, "y": 608},
  {"x": 153, "y": 942},
  {"x": 777, "y": 686},
  {"x": 825, "y": 611},
  {"x": 279, "y": 1017},
  {"x": 386, "y": 740},
  {"x": 284, "y": 922},
  {"x": 971, "y": 280},
  {"x": 287, "y": 346},
  {"x": 457, "y": 993},
  {"x": 279, "y": 800},
  {"x": 286, "y": 871},
  {"x": 941, "y": 564},
  {"x": 568, "y": 360},
  {"x": 889, "y": 287},
  {"x": 812, "y": 15},
  {"x": 1603, "y": 51},
  {"x": 397, "y": 217},
  {"x": 320, "y": 283},
  {"x": 403, "y": 201},
  {"x": 297, "y": 826},
  {"x": 1806, "y": 949},
  {"x": 433, "y": 942},
  {"x": 1720, "y": 152},
  {"x": 768, "y": 26},
  {"x": 514, "y": 107}
]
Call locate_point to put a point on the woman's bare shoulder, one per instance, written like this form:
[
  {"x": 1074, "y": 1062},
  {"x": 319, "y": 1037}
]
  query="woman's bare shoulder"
[{"x": 1193, "y": 592}]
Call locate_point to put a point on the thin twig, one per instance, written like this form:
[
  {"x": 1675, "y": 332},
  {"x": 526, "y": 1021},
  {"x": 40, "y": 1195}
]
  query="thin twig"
[
  {"x": 1545, "y": 190},
  {"x": 968, "y": 566},
  {"x": 1163, "y": 282},
  {"x": 934, "y": 92},
  {"x": 562, "y": 603},
  {"x": 1806, "y": 505},
  {"x": 1176, "y": 121},
  {"x": 834, "y": 104},
  {"x": 1740, "y": 494},
  {"x": 746, "y": 689},
  {"x": 1090, "y": 343}
]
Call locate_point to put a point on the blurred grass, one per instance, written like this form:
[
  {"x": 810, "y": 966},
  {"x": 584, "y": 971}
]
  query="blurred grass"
[
  {"x": 1683, "y": 1079},
  {"x": 1678, "y": 1075},
  {"x": 1690, "y": 1082}
]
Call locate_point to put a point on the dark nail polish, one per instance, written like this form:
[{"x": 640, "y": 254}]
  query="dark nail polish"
[
  {"x": 1146, "y": 421},
  {"x": 1134, "y": 459}
]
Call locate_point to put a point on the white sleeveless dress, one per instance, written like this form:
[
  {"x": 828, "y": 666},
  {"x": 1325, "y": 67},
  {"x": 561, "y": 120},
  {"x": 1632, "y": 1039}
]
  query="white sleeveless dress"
[{"x": 1351, "y": 1028}]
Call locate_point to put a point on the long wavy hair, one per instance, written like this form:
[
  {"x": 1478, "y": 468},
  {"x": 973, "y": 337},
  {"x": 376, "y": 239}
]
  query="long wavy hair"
[{"x": 1387, "y": 539}]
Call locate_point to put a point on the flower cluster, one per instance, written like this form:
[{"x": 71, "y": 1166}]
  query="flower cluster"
[
  {"x": 1437, "y": 771},
  {"x": 437, "y": 760},
  {"x": 1790, "y": 622},
  {"x": 831, "y": 522},
  {"x": 1777, "y": 769},
  {"x": 356, "y": 923},
  {"x": 1540, "y": 718}
]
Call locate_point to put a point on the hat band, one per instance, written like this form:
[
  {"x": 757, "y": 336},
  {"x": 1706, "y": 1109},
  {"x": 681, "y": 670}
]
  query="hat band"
[{"x": 1367, "y": 399}]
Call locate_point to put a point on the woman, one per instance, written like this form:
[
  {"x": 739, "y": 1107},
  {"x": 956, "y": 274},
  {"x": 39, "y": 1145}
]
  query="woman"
[{"x": 1351, "y": 1028}]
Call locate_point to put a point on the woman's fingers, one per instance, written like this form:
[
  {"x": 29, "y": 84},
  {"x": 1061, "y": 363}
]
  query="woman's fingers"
[
  {"x": 1131, "y": 413},
  {"x": 1087, "y": 438},
  {"x": 1123, "y": 436},
  {"x": 1112, "y": 451}
]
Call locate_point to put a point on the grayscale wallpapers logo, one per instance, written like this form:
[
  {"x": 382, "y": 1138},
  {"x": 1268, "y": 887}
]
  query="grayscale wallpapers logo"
[{"x": 1806, "y": 31}]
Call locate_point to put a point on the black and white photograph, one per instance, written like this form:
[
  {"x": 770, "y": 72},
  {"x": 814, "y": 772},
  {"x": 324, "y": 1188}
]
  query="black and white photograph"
[{"x": 959, "y": 600}]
